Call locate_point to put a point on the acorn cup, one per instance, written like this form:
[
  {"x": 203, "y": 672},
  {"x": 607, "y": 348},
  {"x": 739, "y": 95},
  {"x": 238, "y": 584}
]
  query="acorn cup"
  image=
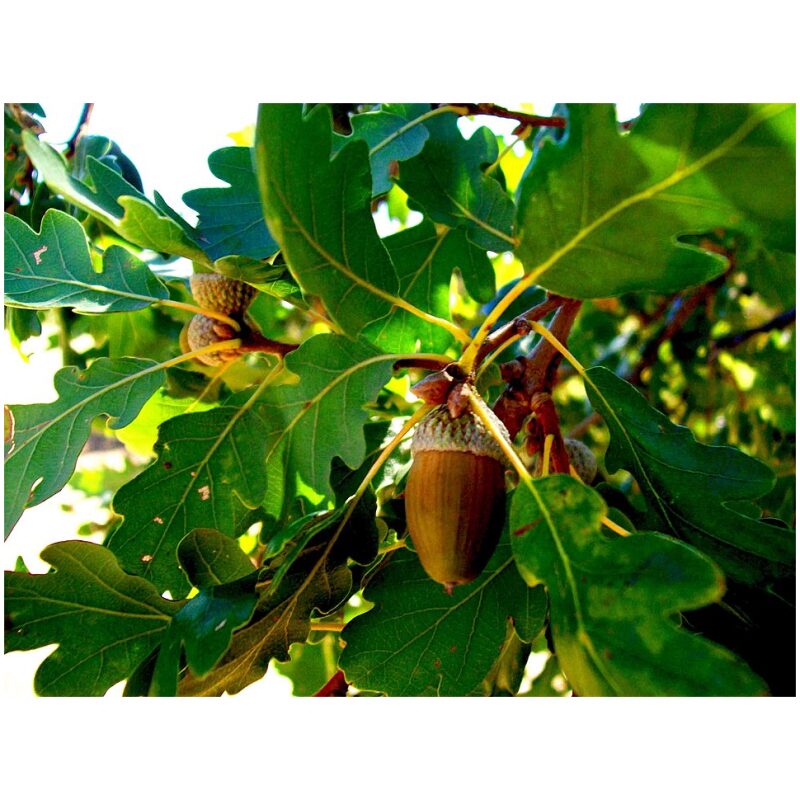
[{"x": 455, "y": 495}]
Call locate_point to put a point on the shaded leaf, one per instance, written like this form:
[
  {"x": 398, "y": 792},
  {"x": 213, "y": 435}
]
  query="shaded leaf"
[
  {"x": 104, "y": 621},
  {"x": 113, "y": 201},
  {"x": 319, "y": 579},
  {"x": 52, "y": 269},
  {"x": 691, "y": 487},
  {"x": 601, "y": 214},
  {"x": 209, "y": 471},
  {"x": 210, "y": 558},
  {"x": 230, "y": 220},
  {"x": 203, "y": 628},
  {"x": 319, "y": 212},
  {"x": 447, "y": 182},
  {"x": 48, "y": 437},
  {"x": 420, "y": 641},
  {"x": 612, "y": 602}
]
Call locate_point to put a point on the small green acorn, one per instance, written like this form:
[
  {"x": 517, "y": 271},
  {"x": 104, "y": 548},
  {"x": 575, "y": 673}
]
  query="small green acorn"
[{"x": 455, "y": 496}]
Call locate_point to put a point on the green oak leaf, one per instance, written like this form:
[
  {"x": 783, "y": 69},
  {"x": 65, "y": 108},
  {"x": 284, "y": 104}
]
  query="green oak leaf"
[
  {"x": 230, "y": 220},
  {"x": 447, "y": 182},
  {"x": 691, "y": 487},
  {"x": 420, "y": 641},
  {"x": 53, "y": 269},
  {"x": 209, "y": 471},
  {"x": 425, "y": 261},
  {"x": 210, "y": 558},
  {"x": 602, "y": 213},
  {"x": 318, "y": 210},
  {"x": 48, "y": 437},
  {"x": 322, "y": 415},
  {"x": 613, "y": 602},
  {"x": 389, "y": 136},
  {"x": 203, "y": 628},
  {"x": 319, "y": 579},
  {"x": 114, "y": 201},
  {"x": 104, "y": 621},
  {"x": 507, "y": 672}
]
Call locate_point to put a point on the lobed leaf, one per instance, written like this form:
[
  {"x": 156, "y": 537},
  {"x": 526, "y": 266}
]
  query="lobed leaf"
[
  {"x": 114, "y": 201},
  {"x": 319, "y": 212},
  {"x": 447, "y": 182},
  {"x": 230, "y": 220},
  {"x": 613, "y": 602},
  {"x": 420, "y": 641},
  {"x": 104, "y": 621},
  {"x": 321, "y": 416},
  {"x": 209, "y": 472},
  {"x": 53, "y": 269},
  {"x": 210, "y": 558},
  {"x": 390, "y": 135},
  {"x": 425, "y": 261},
  {"x": 692, "y": 488},
  {"x": 48, "y": 437},
  {"x": 601, "y": 214},
  {"x": 319, "y": 579}
]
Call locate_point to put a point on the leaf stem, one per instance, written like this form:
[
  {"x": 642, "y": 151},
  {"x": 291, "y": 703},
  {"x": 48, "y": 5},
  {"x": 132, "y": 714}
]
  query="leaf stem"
[
  {"x": 207, "y": 312},
  {"x": 379, "y": 462}
]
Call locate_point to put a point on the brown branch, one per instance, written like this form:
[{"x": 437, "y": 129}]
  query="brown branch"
[
  {"x": 525, "y": 120},
  {"x": 511, "y": 329},
  {"x": 535, "y": 374},
  {"x": 80, "y": 129},
  {"x": 253, "y": 342}
]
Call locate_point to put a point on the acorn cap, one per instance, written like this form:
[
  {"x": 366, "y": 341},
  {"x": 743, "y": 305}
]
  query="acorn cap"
[
  {"x": 218, "y": 293},
  {"x": 466, "y": 434}
]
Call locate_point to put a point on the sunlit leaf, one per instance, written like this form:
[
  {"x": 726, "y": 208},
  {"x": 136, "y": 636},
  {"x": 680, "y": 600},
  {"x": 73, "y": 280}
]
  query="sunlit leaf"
[
  {"x": 319, "y": 212},
  {"x": 601, "y": 213},
  {"x": 48, "y": 437},
  {"x": 53, "y": 269},
  {"x": 114, "y": 201},
  {"x": 209, "y": 472},
  {"x": 104, "y": 621},
  {"x": 614, "y": 603}
]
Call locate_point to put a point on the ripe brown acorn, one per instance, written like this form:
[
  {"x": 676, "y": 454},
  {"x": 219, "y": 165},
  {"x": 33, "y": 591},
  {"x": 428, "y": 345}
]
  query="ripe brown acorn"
[{"x": 455, "y": 495}]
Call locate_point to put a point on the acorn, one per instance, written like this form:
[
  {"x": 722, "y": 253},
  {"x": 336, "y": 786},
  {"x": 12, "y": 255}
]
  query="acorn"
[
  {"x": 455, "y": 496},
  {"x": 219, "y": 293},
  {"x": 202, "y": 331},
  {"x": 582, "y": 458}
]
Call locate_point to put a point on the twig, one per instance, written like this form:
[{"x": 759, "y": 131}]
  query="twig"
[
  {"x": 513, "y": 328},
  {"x": 535, "y": 374},
  {"x": 732, "y": 340},
  {"x": 525, "y": 120},
  {"x": 80, "y": 129}
]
